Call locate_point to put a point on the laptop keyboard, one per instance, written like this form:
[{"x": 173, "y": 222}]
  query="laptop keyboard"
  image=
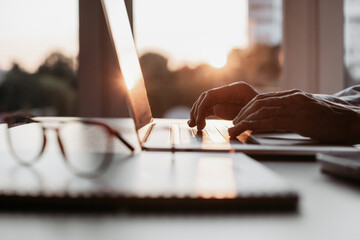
[{"x": 212, "y": 133}]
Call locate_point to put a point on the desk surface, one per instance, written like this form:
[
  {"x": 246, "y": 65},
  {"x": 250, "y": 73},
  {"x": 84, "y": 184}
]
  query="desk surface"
[{"x": 328, "y": 209}]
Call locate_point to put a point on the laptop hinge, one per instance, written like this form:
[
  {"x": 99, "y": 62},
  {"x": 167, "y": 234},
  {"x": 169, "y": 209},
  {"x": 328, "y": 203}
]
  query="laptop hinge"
[{"x": 144, "y": 132}]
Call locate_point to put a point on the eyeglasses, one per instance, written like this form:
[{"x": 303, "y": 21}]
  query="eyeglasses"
[{"x": 86, "y": 145}]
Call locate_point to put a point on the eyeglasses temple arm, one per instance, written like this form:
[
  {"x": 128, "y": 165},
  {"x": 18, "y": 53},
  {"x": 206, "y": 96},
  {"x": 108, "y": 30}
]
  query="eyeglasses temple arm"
[
  {"x": 117, "y": 134},
  {"x": 114, "y": 132}
]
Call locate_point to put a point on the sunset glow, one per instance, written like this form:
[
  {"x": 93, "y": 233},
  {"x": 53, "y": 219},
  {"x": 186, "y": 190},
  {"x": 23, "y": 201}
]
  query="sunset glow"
[
  {"x": 218, "y": 61},
  {"x": 31, "y": 30},
  {"x": 191, "y": 32},
  {"x": 125, "y": 48},
  {"x": 187, "y": 32},
  {"x": 215, "y": 178}
]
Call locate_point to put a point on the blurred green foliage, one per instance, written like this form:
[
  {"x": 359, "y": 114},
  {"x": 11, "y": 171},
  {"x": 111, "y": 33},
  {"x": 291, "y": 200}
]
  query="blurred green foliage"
[
  {"x": 52, "y": 86},
  {"x": 258, "y": 65}
]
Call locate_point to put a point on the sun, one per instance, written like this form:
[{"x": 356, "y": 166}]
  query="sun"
[{"x": 218, "y": 61}]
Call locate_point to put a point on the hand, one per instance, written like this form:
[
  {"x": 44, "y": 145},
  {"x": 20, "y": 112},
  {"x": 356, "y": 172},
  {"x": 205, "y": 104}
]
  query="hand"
[
  {"x": 224, "y": 102},
  {"x": 303, "y": 113}
]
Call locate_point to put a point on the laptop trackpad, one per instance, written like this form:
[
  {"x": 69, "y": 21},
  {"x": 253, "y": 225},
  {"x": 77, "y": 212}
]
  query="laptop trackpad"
[{"x": 283, "y": 139}]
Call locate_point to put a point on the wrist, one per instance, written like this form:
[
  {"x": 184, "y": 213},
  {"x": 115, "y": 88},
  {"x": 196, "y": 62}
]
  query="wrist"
[
  {"x": 355, "y": 130},
  {"x": 331, "y": 98}
]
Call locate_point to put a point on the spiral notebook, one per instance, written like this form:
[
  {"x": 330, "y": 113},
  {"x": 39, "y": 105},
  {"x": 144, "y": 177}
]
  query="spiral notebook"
[
  {"x": 148, "y": 181},
  {"x": 140, "y": 181}
]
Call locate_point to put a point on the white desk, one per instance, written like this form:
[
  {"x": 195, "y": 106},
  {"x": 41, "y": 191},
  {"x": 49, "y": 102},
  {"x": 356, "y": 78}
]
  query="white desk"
[{"x": 328, "y": 209}]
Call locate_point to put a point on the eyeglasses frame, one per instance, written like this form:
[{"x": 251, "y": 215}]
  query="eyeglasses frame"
[{"x": 30, "y": 119}]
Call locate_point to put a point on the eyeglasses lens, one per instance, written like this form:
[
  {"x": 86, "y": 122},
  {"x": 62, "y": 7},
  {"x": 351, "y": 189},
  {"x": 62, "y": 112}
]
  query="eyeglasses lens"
[
  {"x": 26, "y": 139},
  {"x": 87, "y": 147}
]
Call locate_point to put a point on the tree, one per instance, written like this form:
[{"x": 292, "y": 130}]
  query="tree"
[
  {"x": 19, "y": 91},
  {"x": 58, "y": 65},
  {"x": 52, "y": 86},
  {"x": 158, "y": 81}
]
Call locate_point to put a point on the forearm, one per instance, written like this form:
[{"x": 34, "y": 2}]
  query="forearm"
[
  {"x": 349, "y": 113},
  {"x": 349, "y": 97},
  {"x": 354, "y": 133}
]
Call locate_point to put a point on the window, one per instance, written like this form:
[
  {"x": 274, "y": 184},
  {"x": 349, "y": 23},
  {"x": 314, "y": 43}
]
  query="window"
[
  {"x": 246, "y": 47},
  {"x": 38, "y": 60}
]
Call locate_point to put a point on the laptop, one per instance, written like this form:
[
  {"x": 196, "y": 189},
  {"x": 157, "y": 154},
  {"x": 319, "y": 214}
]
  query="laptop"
[{"x": 175, "y": 135}]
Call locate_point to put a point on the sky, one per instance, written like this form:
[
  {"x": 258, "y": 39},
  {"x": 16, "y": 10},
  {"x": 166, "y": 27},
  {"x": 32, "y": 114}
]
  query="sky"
[
  {"x": 32, "y": 29},
  {"x": 191, "y": 31},
  {"x": 186, "y": 31}
]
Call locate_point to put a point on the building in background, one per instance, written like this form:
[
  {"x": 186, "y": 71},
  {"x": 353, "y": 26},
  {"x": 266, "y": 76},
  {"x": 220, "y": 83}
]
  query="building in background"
[
  {"x": 351, "y": 41},
  {"x": 265, "y": 21}
]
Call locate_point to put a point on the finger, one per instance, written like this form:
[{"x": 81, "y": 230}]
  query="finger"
[
  {"x": 269, "y": 112},
  {"x": 278, "y": 94},
  {"x": 211, "y": 112},
  {"x": 196, "y": 112},
  {"x": 262, "y": 97},
  {"x": 194, "y": 107},
  {"x": 193, "y": 111},
  {"x": 211, "y": 98},
  {"x": 257, "y": 105},
  {"x": 238, "y": 93},
  {"x": 226, "y": 111},
  {"x": 265, "y": 125}
]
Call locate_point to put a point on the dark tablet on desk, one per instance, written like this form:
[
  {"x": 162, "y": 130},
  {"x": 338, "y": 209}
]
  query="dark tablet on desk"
[{"x": 346, "y": 165}]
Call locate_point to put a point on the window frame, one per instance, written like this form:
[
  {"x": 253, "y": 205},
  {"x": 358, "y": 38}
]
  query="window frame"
[
  {"x": 97, "y": 96},
  {"x": 313, "y": 45}
]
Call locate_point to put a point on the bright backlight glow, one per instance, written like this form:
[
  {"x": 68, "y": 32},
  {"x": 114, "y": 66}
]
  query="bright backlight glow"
[
  {"x": 124, "y": 44},
  {"x": 215, "y": 178},
  {"x": 187, "y": 32},
  {"x": 191, "y": 32},
  {"x": 218, "y": 62},
  {"x": 31, "y": 30}
]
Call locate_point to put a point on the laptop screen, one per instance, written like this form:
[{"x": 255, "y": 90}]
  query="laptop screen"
[{"x": 122, "y": 38}]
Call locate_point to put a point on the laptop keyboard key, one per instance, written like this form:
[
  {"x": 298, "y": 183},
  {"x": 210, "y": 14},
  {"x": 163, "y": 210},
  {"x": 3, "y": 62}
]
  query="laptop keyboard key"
[{"x": 214, "y": 135}]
